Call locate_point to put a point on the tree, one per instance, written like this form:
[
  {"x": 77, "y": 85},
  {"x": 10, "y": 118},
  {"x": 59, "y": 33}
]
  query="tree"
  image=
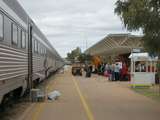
[
  {"x": 84, "y": 58},
  {"x": 144, "y": 15},
  {"x": 74, "y": 54}
]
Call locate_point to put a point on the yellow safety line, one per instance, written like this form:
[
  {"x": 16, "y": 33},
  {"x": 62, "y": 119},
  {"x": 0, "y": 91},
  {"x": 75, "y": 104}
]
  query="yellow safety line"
[
  {"x": 39, "y": 109},
  {"x": 40, "y": 106},
  {"x": 85, "y": 105}
]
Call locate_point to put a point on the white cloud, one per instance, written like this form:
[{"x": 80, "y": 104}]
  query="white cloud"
[{"x": 69, "y": 23}]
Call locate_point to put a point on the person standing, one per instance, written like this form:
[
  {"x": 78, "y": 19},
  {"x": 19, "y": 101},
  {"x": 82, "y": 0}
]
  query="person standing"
[
  {"x": 102, "y": 69},
  {"x": 112, "y": 67},
  {"x": 88, "y": 70},
  {"x": 124, "y": 72},
  {"x": 106, "y": 67},
  {"x": 117, "y": 72}
]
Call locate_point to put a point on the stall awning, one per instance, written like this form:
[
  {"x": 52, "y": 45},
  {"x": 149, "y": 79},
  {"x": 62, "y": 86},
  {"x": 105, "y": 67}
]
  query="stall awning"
[{"x": 142, "y": 57}]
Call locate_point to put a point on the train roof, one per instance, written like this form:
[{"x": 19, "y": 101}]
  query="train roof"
[
  {"x": 22, "y": 14},
  {"x": 18, "y": 9}
]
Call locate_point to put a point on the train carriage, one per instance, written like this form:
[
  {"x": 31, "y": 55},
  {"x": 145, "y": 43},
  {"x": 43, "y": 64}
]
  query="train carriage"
[{"x": 25, "y": 53}]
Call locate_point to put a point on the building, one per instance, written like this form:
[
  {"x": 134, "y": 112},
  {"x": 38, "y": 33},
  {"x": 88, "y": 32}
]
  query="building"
[{"x": 115, "y": 46}]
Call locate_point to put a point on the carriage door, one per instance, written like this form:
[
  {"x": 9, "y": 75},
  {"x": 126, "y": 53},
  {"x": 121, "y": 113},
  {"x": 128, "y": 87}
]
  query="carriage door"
[{"x": 30, "y": 62}]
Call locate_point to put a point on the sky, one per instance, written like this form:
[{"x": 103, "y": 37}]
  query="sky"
[{"x": 74, "y": 23}]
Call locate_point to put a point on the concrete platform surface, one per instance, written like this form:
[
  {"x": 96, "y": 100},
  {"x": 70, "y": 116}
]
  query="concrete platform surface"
[{"x": 93, "y": 98}]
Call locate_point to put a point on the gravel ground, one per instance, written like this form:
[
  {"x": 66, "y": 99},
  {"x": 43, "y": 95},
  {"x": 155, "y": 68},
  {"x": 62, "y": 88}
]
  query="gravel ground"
[{"x": 15, "y": 111}]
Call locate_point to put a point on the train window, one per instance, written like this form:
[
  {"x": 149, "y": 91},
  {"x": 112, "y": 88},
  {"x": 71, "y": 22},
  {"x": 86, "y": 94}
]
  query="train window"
[
  {"x": 39, "y": 48},
  {"x": 27, "y": 39},
  {"x": 1, "y": 27},
  {"x": 23, "y": 39},
  {"x": 45, "y": 51},
  {"x": 32, "y": 44},
  {"x": 14, "y": 34},
  {"x": 35, "y": 46}
]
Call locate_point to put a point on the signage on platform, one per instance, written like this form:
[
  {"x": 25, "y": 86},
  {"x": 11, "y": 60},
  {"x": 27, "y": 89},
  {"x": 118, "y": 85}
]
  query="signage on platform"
[{"x": 136, "y": 50}]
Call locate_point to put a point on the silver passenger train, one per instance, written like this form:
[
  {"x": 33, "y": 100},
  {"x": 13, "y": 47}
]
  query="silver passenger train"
[{"x": 26, "y": 56}]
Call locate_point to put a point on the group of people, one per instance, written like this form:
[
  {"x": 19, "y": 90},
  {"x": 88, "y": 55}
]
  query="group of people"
[{"x": 114, "y": 72}]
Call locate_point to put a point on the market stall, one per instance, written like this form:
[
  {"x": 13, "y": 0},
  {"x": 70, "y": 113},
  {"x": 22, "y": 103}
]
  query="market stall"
[{"x": 143, "y": 69}]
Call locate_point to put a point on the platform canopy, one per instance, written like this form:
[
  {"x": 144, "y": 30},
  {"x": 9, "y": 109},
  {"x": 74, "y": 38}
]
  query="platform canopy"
[{"x": 116, "y": 44}]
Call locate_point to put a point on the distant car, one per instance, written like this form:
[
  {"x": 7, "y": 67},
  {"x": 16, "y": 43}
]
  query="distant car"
[{"x": 77, "y": 69}]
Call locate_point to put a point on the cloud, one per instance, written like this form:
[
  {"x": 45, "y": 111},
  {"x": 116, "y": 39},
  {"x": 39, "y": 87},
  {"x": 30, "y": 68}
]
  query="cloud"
[{"x": 70, "y": 23}]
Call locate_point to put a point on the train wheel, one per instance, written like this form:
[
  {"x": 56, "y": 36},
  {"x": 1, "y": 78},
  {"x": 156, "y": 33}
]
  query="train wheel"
[
  {"x": 17, "y": 94},
  {"x": 7, "y": 101}
]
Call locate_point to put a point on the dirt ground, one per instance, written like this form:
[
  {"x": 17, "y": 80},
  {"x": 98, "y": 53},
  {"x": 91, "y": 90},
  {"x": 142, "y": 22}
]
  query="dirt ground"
[{"x": 92, "y": 98}]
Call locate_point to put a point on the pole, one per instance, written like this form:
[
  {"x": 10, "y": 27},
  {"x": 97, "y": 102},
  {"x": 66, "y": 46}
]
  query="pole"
[
  {"x": 132, "y": 68},
  {"x": 86, "y": 44},
  {"x": 158, "y": 71}
]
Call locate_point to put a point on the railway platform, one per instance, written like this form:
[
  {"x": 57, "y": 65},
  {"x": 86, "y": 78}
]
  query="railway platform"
[{"x": 92, "y": 98}]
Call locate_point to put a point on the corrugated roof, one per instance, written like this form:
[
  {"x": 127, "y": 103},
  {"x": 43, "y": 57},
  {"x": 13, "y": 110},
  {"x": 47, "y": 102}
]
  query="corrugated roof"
[{"x": 115, "y": 43}]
